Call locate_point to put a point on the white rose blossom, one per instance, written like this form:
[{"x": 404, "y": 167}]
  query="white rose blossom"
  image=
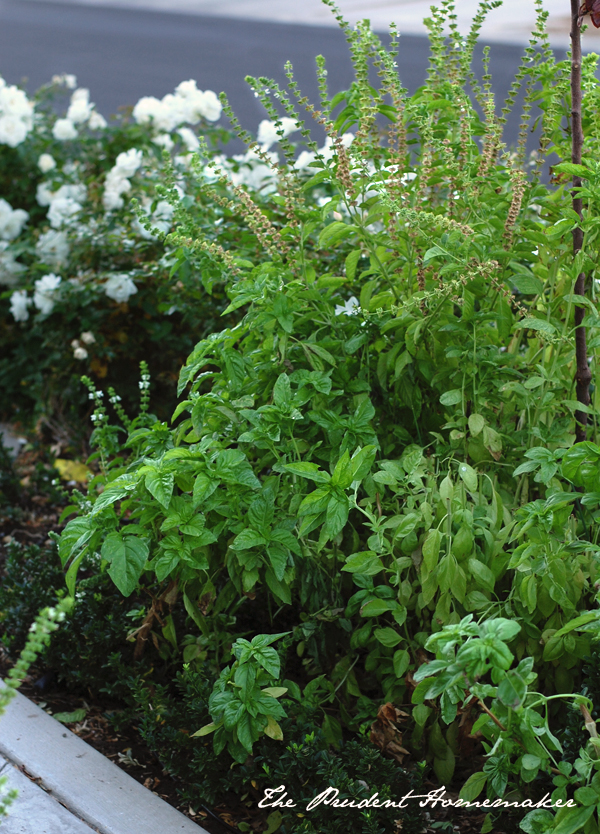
[
  {"x": 80, "y": 108},
  {"x": 186, "y": 106},
  {"x": 97, "y": 121},
  {"x": 45, "y": 292},
  {"x": 52, "y": 247},
  {"x": 268, "y": 132},
  {"x": 120, "y": 287},
  {"x": 46, "y": 163},
  {"x": 87, "y": 337},
  {"x": 10, "y": 269},
  {"x": 117, "y": 179},
  {"x": 79, "y": 352},
  {"x": 64, "y": 129},
  {"x": 19, "y": 302},
  {"x": 63, "y": 211},
  {"x": 327, "y": 151},
  {"x": 160, "y": 218},
  {"x": 16, "y": 115},
  {"x": 11, "y": 220},
  {"x": 65, "y": 80}
]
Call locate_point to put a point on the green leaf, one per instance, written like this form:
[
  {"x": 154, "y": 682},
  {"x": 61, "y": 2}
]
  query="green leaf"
[
  {"x": 335, "y": 232},
  {"x": 336, "y": 515},
  {"x": 160, "y": 485},
  {"x": 476, "y": 424},
  {"x": 484, "y": 576},
  {"x": 194, "y": 613},
  {"x": 581, "y": 465},
  {"x": 542, "y": 326},
  {"x": 366, "y": 563},
  {"x": 538, "y": 821},
  {"x": 71, "y": 575},
  {"x": 280, "y": 589},
  {"x": 268, "y": 658},
  {"x": 248, "y": 538},
  {"x": 165, "y": 564},
  {"x": 431, "y": 549},
  {"x": 351, "y": 263},
  {"x": 274, "y": 819},
  {"x": 275, "y": 691},
  {"x": 527, "y": 284},
  {"x": 70, "y": 717},
  {"x": 573, "y": 820},
  {"x": 492, "y": 442},
  {"x": 332, "y": 730},
  {"x": 447, "y": 489},
  {"x": 401, "y": 662},
  {"x": 578, "y": 622},
  {"x": 75, "y": 535},
  {"x": 376, "y": 607},
  {"x": 206, "y": 730},
  {"x": 572, "y": 169},
  {"x": 203, "y": 488},
  {"x": 473, "y": 786},
  {"x": 362, "y": 461},
  {"x": 388, "y": 637},
  {"x": 278, "y": 556},
  {"x": 273, "y": 730},
  {"x": 451, "y": 397},
  {"x": 308, "y": 470},
  {"x": 127, "y": 556},
  {"x": 282, "y": 391},
  {"x": 469, "y": 476},
  {"x": 342, "y": 474},
  {"x": 512, "y": 690}
]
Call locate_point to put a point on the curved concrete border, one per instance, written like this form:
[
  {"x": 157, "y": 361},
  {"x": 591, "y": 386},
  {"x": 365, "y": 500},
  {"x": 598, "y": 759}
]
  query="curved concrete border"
[{"x": 84, "y": 780}]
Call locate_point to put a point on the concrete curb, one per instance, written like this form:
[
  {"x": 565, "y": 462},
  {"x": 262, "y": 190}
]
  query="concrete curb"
[
  {"x": 86, "y": 782},
  {"x": 35, "y": 811}
]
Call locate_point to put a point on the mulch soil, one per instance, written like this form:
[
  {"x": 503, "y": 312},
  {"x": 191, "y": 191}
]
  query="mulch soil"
[{"x": 37, "y": 516}]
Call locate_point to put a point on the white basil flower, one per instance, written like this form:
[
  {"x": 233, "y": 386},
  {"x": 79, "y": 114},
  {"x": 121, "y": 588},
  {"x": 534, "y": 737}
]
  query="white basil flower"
[{"x": 350, "y": 308}]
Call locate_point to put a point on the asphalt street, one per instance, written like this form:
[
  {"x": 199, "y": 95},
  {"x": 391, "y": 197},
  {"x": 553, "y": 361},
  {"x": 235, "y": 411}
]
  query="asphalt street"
[{"x": 123, "y": 54}]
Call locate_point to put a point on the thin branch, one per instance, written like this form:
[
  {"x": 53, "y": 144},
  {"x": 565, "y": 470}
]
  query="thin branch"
[{"x": 583, "y": 374}]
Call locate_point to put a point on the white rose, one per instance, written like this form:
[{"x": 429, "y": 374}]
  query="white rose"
[
  {"x": 189, "y": 138},
  {"x": 9, "y": 267},
  {"x": 268, "y": 132},
  {"x": 13, "y": 130},
  {"x": 19, "y": 302},
  {"x": 11, "y": 220},
  {"x": 63, "y": 211},
  {"x": 148, "y": 108},
  {"x": 80, "y": 353},
  {"x": 210, "y": 107},
  {"x": 164, "y": 141},
  {"x": 69, "y": 81},
  {"x": 128, "y": 162},
  {"x": 46, "y": 163},
  {"x": 53, "y": 247},
  {"x": 88, "y": 337},
  {"x": 64, "y": 129},
  {"x": 97, "y": 121},
  {"x": 80, "y": 108},
  {"x": 119, "y": 287},
  {"x": 45, "y": 290}
]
